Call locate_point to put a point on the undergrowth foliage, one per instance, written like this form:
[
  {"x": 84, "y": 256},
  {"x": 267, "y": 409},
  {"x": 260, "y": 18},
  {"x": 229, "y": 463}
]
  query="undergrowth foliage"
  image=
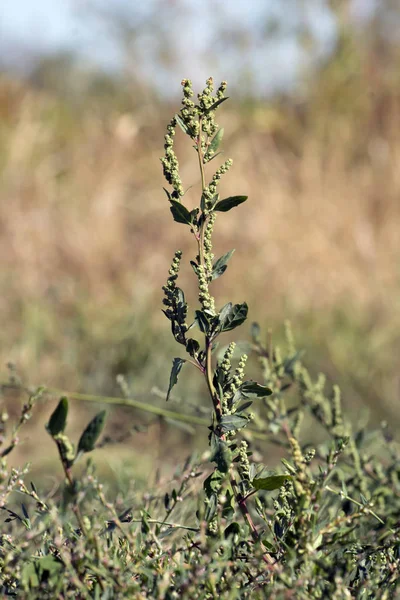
[{"x": 323, "y": 524}]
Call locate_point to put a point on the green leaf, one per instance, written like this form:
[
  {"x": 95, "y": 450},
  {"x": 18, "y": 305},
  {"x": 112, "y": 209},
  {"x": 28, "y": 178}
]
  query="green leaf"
[
  {"x": 213, "y": 483},
  {"x": 270, "y": 483},
  {"x": 232, "y": 316},
  {"x": 192, "y": 347},
  {"x": 38, "y": 570},
  {"x": 232, "y": 422},
  {"x": 203, "y": 201},
  {"x": 217, "y": 139},
  {"x": 214, "y": 106},
  {"x": 211, "y": 507},
  {"x": 168, "y": 193},
  {"x": 182, "y": 124},
  {"x": 202, "y": 321},
  {"x": 243, "y": 407},
  {"x": 177, "y": 364},
  {"x": 92, "y": 433},
  {"x": 193, "y": 215},
  {"x": 228, "y": 203},
  {"x": 220, "y": 265},
  {"x": 195, "y": 267},
  {"x": 224, "y": 313},
  {"x": 220, "y": 454},
  {"x": 252, "y": 388},
  {"x": 180, "y": 213},
  {"x": 144, "y": 526},
  {"x": 232, "y": 529},
  {"x": 214, "y": 156},
  {"x": 58, "y": 419},
  {"x": 288, "y": 466}
]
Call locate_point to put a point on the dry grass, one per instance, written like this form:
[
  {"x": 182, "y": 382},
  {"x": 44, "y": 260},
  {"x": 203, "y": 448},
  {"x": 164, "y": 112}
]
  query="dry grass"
[{"x": 86, "y": 237}]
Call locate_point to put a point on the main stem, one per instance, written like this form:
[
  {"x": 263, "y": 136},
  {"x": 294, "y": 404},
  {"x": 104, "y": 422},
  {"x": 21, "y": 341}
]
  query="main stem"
[
  {"x": 267, "y": 558},
  {"x": 200, "y": 241}
]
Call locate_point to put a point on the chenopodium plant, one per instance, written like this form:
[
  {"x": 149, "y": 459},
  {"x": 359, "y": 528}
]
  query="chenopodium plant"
[
  {"x": 232, "y": 482},
  {"x": 67, "y": 453}
]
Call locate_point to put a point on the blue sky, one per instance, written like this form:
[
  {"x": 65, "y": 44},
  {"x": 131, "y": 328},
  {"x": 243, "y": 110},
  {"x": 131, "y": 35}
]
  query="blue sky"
[
  {"x": 31, "y": 27},
  {"x": 48, "y": 23}
]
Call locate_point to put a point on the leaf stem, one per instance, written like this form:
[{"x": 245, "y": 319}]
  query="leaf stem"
[
  {"x": 209, "y": 377},
  {"x": 201, "y": 158},
  {"x": 200, "y": 241},
  {"x": 161, "y": 412},
  {"x": 166, "y": 523},
  {"x": 241, "y": 500},
  {"x": 347, "y": 497}
]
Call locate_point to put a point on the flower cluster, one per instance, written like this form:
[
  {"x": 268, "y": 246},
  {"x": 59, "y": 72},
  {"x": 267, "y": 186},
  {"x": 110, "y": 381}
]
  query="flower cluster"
[
  {"x": 238, "y": 376},
  {"x": 208, "y": 255},
  {"x": 176, "y": 310},
  {"x": 235, "y": 383},
  {"x": 205, "y": 298},
  {"x": 189, "y": 112},
  {"x": 170, "y": 289},
  {"x": 206, "y": 100},
  {"x": 244, "y": 463},
  {"x": 210, "y": 192},
  {"x": 170, "y": 162},
  {"x": 226, "y": 360}
]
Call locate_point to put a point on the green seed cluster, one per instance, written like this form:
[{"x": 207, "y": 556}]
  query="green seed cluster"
[
  {"x": 211, "y": 190},
  {"x": 282, "y": 503},
  {"x": 190, "y": 112},
  {"x": 337, "y": 417},
  {"x": 309, "y": 456},
  {"x": 213, "y": 526},
  {"x": 170, "y": 288},
  {"x": 176, "y": 310},
  {"x": 170, "y": 162},
  {"x": 206, "y": 99},
  {"x": 244, "y": 463},
  {"x": 237, "y": 380},
  {"x": 226, "y": 360},
  {"x": 225, "y": 367},
  {"x": 239, "y": 374},
  {"x": 208, "y": 255},
  {"x": 297, "y": 456},
  {"x": 205, "y": 298}
]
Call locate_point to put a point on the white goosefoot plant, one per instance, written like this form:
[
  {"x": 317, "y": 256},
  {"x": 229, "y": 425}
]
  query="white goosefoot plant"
[{"x": 232, "y": 482}]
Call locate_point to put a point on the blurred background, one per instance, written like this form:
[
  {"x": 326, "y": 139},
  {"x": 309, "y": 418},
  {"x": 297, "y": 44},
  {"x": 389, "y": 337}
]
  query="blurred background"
[{"x": 313, "y": 126}]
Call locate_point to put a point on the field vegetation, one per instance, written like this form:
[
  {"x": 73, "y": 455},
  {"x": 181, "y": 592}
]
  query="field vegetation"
[{"x": 86, "y": 244}]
